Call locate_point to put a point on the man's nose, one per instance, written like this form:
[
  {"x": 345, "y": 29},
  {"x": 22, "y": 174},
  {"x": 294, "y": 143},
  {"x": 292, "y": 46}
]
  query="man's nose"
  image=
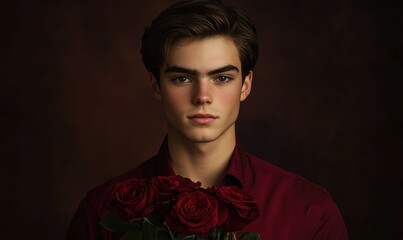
[{"x": 202, "y": 92}]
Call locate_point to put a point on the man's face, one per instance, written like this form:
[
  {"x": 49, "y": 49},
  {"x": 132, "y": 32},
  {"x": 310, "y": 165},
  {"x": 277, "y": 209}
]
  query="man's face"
[{"x": 201, "y": 89}]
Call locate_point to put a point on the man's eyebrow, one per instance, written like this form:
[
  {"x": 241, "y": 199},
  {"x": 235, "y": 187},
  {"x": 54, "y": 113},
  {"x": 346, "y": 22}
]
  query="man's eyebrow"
[
  {"x": 176, "y": 69},
  {"x": 223, "y": 69}
]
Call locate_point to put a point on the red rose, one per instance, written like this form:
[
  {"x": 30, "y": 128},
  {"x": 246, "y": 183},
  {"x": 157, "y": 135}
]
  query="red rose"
[
  {"x": 196, "y": 213},
  {"x": 137, "y": 197},
  {"x": 169, "y": 186},
  {"x": 168, "y": 189},
  {"x": 241, "y": 207},
  {"x": 185, "y": 184}
]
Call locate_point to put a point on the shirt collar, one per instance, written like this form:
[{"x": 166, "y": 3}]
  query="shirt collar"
[
  {"x": 234, "y": 175},
  {"x": 235, "y": 172},
  {"x": 163, "y": 159}
]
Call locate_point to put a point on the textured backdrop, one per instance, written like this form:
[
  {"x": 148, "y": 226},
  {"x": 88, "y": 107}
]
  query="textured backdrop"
[{"x": 76, "y": 108}]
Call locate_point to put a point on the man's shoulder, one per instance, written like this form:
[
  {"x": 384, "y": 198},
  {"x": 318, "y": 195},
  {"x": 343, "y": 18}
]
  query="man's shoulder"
[
  {"x": 282, "y": 179},
  {"x": 303, "y": 207},
  {"x": 142, "y": 170}
]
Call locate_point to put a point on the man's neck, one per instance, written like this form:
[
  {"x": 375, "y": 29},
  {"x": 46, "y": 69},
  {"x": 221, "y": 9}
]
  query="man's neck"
[{"x": 205, "y": 162}]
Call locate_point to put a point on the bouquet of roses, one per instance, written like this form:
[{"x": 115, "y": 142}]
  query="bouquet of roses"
[{"x": 175, "y": 208}]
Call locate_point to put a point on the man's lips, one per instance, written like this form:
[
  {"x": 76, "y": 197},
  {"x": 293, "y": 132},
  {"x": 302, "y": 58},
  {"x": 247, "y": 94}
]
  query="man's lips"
[{"x": 202, "y": 118}]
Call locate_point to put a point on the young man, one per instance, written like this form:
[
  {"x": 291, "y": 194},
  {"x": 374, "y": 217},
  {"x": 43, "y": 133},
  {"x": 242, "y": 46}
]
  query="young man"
[{"x": 200, "y": 55}]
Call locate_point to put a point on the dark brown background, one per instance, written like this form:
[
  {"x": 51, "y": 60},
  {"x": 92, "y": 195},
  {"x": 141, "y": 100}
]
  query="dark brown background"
[{"x": 76, "y": 108}]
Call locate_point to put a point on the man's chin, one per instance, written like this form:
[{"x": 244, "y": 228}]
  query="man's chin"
[
  {"x": 205, "y": 135},
  {"x": 201, "y": 139},
  {"x": 197, "y": 137}
]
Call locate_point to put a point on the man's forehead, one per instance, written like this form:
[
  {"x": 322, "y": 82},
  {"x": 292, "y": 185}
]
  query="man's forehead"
[
  {"x": 203, "y": 55},
  {"x": 191, "y": 46}
]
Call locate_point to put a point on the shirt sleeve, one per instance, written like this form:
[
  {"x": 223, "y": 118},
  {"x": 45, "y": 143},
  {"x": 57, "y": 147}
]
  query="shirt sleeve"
[
  {"x": 85, "y": 223},
  {"x": 327, "y": 222}
]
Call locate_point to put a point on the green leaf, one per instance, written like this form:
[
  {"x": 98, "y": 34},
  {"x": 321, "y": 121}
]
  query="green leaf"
[
  {"x": 161, "y": 234},
  {"x": 192, "y": 237},
  {"x": 250, "y": 236},
  {"x": 213, "y": 233},
  {"x": 181, "y": 236},
  {"x": 114, "y": 224},
  {"x": 155, "y": 221},
  {"x": 155, "y": 231},
  {"x": 148, "y": 230},
  {"x": 219, "y": 233},
  {"x": 147, "y": 221},
  {"x": 134, "y": 234}
]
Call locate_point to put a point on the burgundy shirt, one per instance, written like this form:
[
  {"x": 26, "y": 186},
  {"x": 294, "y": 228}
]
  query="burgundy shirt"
[{"x": 290, "y": 206}]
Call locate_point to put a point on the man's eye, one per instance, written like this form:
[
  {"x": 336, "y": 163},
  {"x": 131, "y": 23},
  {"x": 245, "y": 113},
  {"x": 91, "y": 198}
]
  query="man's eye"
[
  {"x": 181, "y": 80},
  {"x": 223, "y": 79}
]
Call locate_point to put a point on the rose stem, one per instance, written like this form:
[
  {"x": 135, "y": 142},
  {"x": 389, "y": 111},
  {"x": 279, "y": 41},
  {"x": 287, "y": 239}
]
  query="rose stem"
[
  {"x": 233, "y": 236},
  {"x": 170, "y": 233}
]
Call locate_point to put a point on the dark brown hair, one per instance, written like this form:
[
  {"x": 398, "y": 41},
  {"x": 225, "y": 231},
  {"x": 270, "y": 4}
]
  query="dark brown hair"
[{"x": 198, "y": 19}]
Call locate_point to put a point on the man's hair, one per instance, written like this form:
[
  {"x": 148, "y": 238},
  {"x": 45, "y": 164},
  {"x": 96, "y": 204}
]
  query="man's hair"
[{"x": 194, "y": 20}]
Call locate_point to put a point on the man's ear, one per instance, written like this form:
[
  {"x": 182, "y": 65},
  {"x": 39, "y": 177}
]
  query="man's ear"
[
  {"x": 246, "y": 86},
  {"x": 155, "y": 87}
]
